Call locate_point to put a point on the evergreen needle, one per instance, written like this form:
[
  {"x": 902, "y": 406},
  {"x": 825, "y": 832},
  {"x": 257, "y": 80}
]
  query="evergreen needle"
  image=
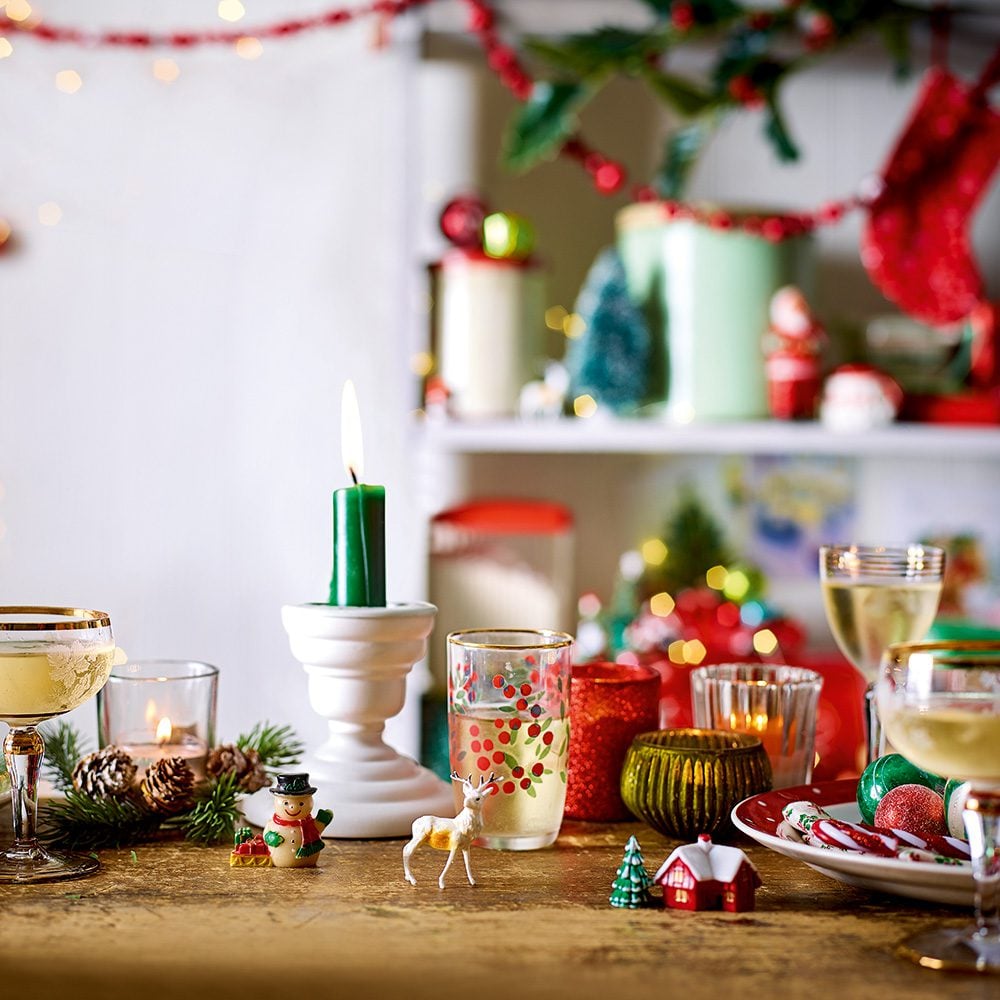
[
  {"x": 63, "y": 749},
  {"x": 278, "y": 746},
  {"x": 213, "y": 817}
]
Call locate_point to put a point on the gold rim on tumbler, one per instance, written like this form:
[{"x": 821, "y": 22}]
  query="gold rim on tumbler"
[
  {"x": 460, "y": 638},
  {"x": 36, "y": 686}
]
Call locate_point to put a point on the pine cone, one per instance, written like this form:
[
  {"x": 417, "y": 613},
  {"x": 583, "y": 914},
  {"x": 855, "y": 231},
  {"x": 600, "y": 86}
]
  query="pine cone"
[
  {"x": 109, "y": 773},
  {"x": 245, "y": 764},
  {"x": 168, "y": 786}
]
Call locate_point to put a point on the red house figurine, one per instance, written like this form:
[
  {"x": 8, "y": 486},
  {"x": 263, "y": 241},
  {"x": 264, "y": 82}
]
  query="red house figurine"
[{"x": 707, "y": 876}]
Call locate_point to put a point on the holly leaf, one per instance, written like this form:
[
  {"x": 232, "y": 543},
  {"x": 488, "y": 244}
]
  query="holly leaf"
[
  {"x": 595, "y": 53},
  {"x": 777, "y": 131},
  {"x": 683, "y": 147},
  {"x": 544, "y": 123},
  {"x": 687, "y": 99}
]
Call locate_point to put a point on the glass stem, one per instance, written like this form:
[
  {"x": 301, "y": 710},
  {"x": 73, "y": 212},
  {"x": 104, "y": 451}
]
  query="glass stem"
[
  {"x": 876, "y": 735},
  {"x": 982, "y": 825},
  {"x": 22, "y": 749}
]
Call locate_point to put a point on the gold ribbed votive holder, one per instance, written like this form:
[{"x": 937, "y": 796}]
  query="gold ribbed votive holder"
[{"x": 683, "y": 782}]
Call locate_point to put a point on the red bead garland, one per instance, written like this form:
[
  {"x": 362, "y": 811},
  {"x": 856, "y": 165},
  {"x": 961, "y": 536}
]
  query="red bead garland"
[
  {"x": 608, "y": 175},
  {"x": 189, "y": 39}
]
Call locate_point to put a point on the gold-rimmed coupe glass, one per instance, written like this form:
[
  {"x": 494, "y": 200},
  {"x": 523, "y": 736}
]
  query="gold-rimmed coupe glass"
[
  {"x": 940, "y": 706},
  {"x": 875, "y": 595},
  {"x": 52, "y": 660}
]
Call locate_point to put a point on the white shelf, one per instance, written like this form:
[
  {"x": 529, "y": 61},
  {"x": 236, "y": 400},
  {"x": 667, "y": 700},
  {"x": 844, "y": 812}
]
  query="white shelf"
[{"x": 653, "y": 437}]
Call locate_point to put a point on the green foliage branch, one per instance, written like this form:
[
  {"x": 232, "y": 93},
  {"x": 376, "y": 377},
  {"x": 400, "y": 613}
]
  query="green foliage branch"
[{"x": 751, "y": 55}]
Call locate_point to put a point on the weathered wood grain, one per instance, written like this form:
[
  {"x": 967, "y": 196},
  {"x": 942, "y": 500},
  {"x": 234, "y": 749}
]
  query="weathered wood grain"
[{"x": 177, "y": 922}]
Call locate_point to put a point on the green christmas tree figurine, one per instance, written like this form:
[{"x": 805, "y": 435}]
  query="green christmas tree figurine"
[
  {"x": 632, "y": 881},
  {"x": 694, "y": 544}
]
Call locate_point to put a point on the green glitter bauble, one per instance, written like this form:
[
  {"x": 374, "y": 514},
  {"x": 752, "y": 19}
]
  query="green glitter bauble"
[{"x": 889, "y": 772}]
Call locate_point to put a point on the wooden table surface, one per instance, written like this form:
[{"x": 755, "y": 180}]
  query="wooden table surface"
[{"x": 175, "y": 921}]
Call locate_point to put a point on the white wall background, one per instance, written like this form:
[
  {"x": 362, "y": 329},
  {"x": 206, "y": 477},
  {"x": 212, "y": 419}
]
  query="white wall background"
[
  {"x": 236, "y": 243},
  {"x": 232, "y": 247}
]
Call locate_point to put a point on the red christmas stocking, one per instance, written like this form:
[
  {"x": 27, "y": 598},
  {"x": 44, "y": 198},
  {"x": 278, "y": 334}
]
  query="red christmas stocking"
[{"x": 916, "y": 245}]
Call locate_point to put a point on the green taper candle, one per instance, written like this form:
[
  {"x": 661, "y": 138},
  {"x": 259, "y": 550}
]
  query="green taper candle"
[{"x": 358, "y": 523}]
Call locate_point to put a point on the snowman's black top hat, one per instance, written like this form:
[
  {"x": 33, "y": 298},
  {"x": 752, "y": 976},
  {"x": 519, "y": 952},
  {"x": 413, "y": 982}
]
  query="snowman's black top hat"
[{"x": 293, "y": 784}]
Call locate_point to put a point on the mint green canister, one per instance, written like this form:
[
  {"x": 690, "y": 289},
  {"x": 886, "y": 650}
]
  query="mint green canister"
[{"x": 706, "y": 292}]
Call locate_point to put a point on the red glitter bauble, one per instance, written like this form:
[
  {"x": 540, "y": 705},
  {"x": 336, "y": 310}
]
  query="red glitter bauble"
[
  {"x": 461, "y": 222},
  {"x": 913, "y": 808}
]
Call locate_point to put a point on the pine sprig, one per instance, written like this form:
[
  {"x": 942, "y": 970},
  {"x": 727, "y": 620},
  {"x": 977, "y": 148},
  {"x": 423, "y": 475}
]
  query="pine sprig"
[
  {"x": 63, "y": 749},
  {"x": 278, "y": 746},
  {"x": 79, "y": 822},
  {"x": 213, "y": 817}
]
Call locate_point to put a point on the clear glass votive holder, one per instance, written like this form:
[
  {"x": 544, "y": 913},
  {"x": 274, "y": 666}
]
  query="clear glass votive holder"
[
  {"x": 153, "y": 709},
  {"x": 775, "y": 703},
  {"x": 609, "y": 704},
  {"x": 508, "y": 716}
]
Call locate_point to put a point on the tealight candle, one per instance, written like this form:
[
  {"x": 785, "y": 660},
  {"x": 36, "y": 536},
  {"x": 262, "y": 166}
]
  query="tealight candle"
[
  {"x": 169, "y": 741},
  {"x": 154, "y": 709},
  {"x": 358, "y": 522},
  {"x": 775, "y": 703}
]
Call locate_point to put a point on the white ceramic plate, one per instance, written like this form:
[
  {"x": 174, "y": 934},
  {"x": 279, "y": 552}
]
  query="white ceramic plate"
[{"x": 759, "y": 816}]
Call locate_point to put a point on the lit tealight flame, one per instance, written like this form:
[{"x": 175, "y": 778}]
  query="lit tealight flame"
[
  {"x": 351, "y": 445},
  {"x": 164, "y": 730}
]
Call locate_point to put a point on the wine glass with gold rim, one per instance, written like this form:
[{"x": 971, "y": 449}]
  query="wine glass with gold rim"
[
  {"x": 940, "y": 706},
  {"x": 875, "y": 595},
  {"x": 52, "y": 660}
]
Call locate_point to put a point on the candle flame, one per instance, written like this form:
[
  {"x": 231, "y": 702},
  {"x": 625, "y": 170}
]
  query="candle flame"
[
  {"x": 350, "y": 433},
  {"x": 164, "y": 730}
]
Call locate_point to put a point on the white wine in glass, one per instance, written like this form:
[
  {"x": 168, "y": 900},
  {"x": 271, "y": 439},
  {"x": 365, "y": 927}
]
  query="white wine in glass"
[
  {"x": 940, "y": 706},
  {"x": 52, "y": 660},
  {"x": 874, "y": 596}
]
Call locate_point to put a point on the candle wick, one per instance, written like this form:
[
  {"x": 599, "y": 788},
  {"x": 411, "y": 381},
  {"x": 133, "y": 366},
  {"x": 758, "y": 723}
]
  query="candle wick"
[{"x": 354, "y": 475}]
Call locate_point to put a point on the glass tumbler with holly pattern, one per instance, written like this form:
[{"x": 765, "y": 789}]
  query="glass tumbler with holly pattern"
[{"x": 508, "y": 716}]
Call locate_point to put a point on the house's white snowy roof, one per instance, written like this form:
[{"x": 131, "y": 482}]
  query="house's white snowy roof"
[{"x": 706, "y": 861}]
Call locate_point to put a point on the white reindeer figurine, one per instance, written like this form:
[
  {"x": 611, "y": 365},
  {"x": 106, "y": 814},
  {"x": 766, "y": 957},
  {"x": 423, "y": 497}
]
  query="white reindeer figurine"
[{"x": 451, "y": 834}]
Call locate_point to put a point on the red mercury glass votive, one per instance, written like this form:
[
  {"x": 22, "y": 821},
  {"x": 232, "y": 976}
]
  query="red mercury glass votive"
[{"x": 609, "y": 703}]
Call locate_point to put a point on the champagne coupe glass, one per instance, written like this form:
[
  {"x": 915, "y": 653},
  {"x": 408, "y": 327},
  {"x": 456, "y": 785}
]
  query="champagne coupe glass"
[
  {"x": 940, "y": 705},
  {"x": 874, "y": 596},
  {"x": 51, "y": 661}
]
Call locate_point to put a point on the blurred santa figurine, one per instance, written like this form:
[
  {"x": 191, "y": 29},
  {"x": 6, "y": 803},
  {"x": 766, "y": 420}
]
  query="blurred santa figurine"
[{"x": 792, "y": 345}]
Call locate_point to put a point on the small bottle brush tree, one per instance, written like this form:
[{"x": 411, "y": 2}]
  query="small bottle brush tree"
[{"x": 631, "y": 886}]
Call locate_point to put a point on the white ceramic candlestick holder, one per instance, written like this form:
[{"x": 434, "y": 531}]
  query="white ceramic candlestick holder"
[{"x": 357, "y": 660}]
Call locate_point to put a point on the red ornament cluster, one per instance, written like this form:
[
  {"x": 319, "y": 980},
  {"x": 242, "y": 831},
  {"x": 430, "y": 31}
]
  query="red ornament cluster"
[{"x": 332, "y": 18}]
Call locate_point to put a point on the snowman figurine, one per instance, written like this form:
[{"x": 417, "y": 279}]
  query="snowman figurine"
[{"x": 292, "y": 834}]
